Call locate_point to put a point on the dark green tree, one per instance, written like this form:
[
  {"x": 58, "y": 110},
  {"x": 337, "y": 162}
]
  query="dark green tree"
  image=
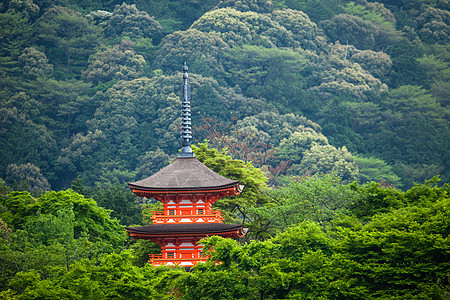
[{"x": 69, "y": 39}]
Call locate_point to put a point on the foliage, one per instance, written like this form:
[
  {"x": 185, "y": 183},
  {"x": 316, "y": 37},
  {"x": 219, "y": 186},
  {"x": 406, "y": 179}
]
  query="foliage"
[
  {"x": 88, "y": 217},
  {"x": 306, "y": 32},
  {"x": 403, "y": 253},
  {"x": 319, "y": 198},
  {"x": 90, "y": 90},
  {"x": 434, "y": 25},
  {"x": 253, "y": 179},
  {"x": 294, "y": 147},
  {"x": 374, "y": 169},
  {"x": 50, "y": 233},
  {"x": 276, "y": 57},
  {"x": 202, "y": 50},
  {"x": 237, "y": 28},
  {"x": 127, "y": 21},
  {"x": 35, "y": 63},
  {"x": 266, "y": 72},
  {"x": 23, "y": 141},
  {"x": 350, "y": 262},
  {"x": 119, "y": 63},
  {"x": 122, "y": 203},
  {"x": 26, "y": 177},
  {"x": 113, "y": 276},
  {"x": 358, "y": 32},
  {"x": 69, "y": 39},
  {"x": 327, "y": 159}
]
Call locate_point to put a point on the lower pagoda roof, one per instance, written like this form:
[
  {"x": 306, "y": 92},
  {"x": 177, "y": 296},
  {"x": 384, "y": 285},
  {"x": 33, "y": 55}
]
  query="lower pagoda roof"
[{"x": 159, "y": 230}]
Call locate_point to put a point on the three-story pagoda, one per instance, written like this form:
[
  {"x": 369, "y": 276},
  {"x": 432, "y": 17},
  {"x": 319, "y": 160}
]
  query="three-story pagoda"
[{"x": 187, "y": 189}]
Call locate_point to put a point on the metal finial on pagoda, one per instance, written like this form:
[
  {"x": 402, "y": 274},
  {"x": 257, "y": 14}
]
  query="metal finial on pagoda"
[{"x": 186, "y": 132}]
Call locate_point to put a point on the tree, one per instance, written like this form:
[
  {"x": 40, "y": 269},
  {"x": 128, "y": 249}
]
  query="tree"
[
  {"x": 380, "y": 17},
  {"x": 16, "y": 34},
  {"x": 293, "y": 264},
  {"x": 127, "y": 21},
  {"x": 26, "y": 8},
  {"x": 265, "y": 73},
  {"x": 50, "y": 233},
  {"x": 122, "y": 203},
  {"x": 434, "y": 25},
  {"x": 69, "y": 39},
  {"x": 319, "y": 198},
  {"x": 151, "y": 162},
  {"x": 88, "y": 217},
  {"x": 374, "y": 169},
  {"x": 352, "y": 29},
  {"x": 278, "y": 127},
  {"x": 26, "y": 177},
  {"x": 327, "y": 159},
  {"x": 379, "y": 64},
  {"x": 306, "y": 32},
  {"x": 417, "y": 126},
  {"x": 403, "y": 253},
  {"x": 435, "y": 69},
  {"x": 113, "y": 275},
  {"x": 134, "y": 117},
  {"x": 317, "y": 10},
  {"x": 35, "y": 63},
  {"x": 295, "y": 147},
  {"x": 62, "y": 102},
  {"x": 238, "y": 28},
  {"x": 337, "y": 77},
  {"x": 22, "y": 141},
  {"x": 252, "y": 178},
  {"x": 203, "y": 51},
  {"x": 261, "y": 6},
  {"x": 118, "y": 62}
]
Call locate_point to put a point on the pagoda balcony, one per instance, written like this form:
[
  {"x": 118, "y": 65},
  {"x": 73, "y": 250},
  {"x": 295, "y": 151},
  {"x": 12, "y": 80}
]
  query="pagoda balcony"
[
  {"x": 159, "y": 260},
  {"x": 160, "y": 217}
]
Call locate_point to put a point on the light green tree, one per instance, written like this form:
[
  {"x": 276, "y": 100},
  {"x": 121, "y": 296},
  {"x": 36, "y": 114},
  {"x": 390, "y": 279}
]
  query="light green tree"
[
  {"x": 328, "y": 159},
  {"x": 118, "y": 62}
]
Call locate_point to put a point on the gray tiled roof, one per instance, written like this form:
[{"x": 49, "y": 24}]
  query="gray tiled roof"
[
  {"x": 185, "y": 173},
  {"x": 207, "y": 228}
]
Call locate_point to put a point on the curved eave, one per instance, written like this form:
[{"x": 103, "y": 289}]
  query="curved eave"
[
  {"x": 233, "y": 190},
  {"x": 185, "y": 230},
  {"x": 145, "y": 236}
]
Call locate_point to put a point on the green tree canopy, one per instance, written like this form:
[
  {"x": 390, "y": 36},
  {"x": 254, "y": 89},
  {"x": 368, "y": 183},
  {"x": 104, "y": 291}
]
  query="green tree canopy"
[
  {"x": 118, "y": 62},
  {"x": 252, "y": 178},
  {"x": 69, "y": 39},
  {"x": 127, "y": 21}
]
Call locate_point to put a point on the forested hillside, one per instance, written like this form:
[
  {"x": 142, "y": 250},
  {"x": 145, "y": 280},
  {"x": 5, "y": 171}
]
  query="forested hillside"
[
  {"x": 91, "y": 89},
  {"x": 333, "y": 113}
]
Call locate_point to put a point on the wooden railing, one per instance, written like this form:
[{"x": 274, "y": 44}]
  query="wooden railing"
[
  {"x": 160, "y": 217},
  {"x": 158, "y": 260}
]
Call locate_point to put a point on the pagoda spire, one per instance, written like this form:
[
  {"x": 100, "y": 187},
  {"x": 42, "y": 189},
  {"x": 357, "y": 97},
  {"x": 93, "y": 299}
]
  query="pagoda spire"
[{"x": 186, "y": 132}]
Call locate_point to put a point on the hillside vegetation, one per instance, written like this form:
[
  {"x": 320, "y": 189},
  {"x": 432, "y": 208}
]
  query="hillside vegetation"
[
  {"x": 357, "y": 88},
  {"x": 333, "y": 113}
]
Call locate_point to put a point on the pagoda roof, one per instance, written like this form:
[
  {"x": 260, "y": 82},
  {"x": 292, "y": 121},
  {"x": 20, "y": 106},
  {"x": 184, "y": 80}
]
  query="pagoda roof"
[
  {"x": 157, "y": 230},
  {"x": 185, "y": 174}
]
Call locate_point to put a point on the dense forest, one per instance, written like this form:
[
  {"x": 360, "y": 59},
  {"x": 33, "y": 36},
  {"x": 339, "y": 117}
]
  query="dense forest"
[{"x": 333, "y": 113}]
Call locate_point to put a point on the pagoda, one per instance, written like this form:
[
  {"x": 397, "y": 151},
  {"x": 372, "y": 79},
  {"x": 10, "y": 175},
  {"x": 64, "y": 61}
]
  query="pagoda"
[{"x": 187, "y": 189}]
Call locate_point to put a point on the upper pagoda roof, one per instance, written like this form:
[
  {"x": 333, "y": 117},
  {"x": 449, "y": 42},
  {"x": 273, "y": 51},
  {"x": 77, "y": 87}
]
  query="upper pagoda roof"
[{"x": 185, "y": 174}]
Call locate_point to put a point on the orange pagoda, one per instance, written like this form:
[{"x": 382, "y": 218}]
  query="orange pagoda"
[{"x": 187, "y": 189}]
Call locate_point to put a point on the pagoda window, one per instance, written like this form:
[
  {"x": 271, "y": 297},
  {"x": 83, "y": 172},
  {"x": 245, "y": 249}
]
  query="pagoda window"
[
  {"x": 171, "y": 212},
  {"x": 170, "y": 255},
  {"x": 200, "y": 211}
]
